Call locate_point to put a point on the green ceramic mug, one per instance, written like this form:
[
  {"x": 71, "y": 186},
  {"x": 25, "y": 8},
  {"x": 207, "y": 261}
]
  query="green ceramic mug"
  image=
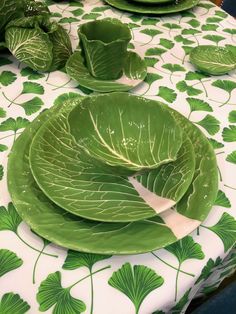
[{"x": 104, "y": 44}]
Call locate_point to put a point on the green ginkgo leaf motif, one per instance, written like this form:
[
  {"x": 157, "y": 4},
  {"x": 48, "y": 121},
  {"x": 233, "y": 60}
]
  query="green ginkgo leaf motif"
[
  {"x": 183, "y": 250},
  {"x": 149, "y": 21},
  {"x": 221, "y": 14},
  {"x": 33, "y": 105},
  {"x": 187, "y": 14},
  {"x": 152, "y": 77},
  {"x": 13, "y": 124},
  {"x": 52, "y": 294},
  {"x": 167, "y": 94},
  {"x": 192, "y": 76},
  {"x": 32, "y": 88},
  {"x": 2, "y": 113},
  {"x": 215, "y": 144},
  {"x": 4, "y": 61},
  {"x": 193, "y": 23},
  {"x": 190, "y": 31},
  {"x": 155, "y": 52},
  {"x": 1, "y": 173},
  {"x": 31, "y": 74},
  {"x": 232, "y": 116},
  {"x": 173, "y": 67},
  {"x": 181, "y": 304},
  {"x": 150, "y": 62},
  {"x": 8, "y": 261},
  {"x": 133, "y": 25},
  {"x": 231, "y": 31},
  {"x": 226, "y": 85},
  {"x": 12, "y": 303},
  {"x": 150, "y": 32},
  {"x": 214, "y": 38},
  {"x": 3, "y": 148},
  {"x": 222, "y": 200},
  {"x": 183, "y": 40},
  {"x": 182, "y": 86},
  {"x": 209, "y": 27},
  {"x": 166, "y": 43},
  {"x": 198, "y": 105},
  {"x": 171, "y": 26},
  {"x": 232, "y": 157},
  {"x": 158, "y": 312},
  {"x": 206, "y": 5},
  {"x": 186, "y": 249},
  {"x": 77, "y": 12},
  {"x": 135, "y": 18},
  {"x": 91, "y": 16},
  {"x": 68, "y": 20},
  {"x": 64, "y": 97},
  {"x": 131, "y": 46},
  {"x": 214, "y": 19},
  {"x": 100, "y": 9},
  {"x": 7, "y": 78},
  {"x": 208, "y": 269},
  {"x": 210, "y": 124},
  {"x": 76, "y": 260},
  {"x": 226, "y": 230},
  {"x": 9, "y": 218},
  {"x": 229, "y": 134},
  {"x": 135, "y": 282}
]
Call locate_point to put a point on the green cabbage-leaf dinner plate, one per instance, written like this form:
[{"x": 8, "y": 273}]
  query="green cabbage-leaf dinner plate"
[
  {"x": 65, "y": 229},
  {"x": 76, "y": 183},
  {"x": 165, "y": 8},
  {"x": 134, "y": 73},
  {"x": 213, "y": 60},
  {"x": 152, "y": 1}
]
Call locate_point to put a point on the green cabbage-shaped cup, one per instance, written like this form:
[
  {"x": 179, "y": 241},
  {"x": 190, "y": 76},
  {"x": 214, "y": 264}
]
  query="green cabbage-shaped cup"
[
  {"x": 104, "y": 44},
  {"x": 41, "y": 44}
]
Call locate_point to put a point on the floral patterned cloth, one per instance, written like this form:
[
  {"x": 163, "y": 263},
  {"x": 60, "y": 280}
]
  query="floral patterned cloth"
[{"x": 37, "y": 276}]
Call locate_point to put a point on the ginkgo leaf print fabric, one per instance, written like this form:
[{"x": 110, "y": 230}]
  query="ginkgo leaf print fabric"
[{"x": 162, "y": 281}]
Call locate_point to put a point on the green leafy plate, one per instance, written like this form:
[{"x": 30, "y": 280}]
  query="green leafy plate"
[
  {"x": 213, "y": 60},
  {"x": 164, "y": 8},
  {"x": 153, "y": 1},
  {"x": 78, "y": 184},
  {"x": 134, "y": 73},
  {"x": 65, "y": 229}
]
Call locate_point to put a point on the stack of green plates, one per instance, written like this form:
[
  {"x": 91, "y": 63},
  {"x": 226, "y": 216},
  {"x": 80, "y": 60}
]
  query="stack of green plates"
[
  {"x": 112, "y": 174},
  {"x": 153, "y": 6}
]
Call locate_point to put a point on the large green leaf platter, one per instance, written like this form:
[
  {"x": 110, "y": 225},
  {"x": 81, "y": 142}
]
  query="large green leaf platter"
[
  {"x": 213, "y": 60},
  {"x": 59, "y": 226},
  {"x": 95, "y": 190},
  {"x": 134, "y": 72}
]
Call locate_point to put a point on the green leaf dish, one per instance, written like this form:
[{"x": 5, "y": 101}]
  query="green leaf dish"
[
  {"x": 104, "y": 44},
  {"x": 98, "y": 193},
  {"x": 165, "y": 8},
  {"x": 134, "y": 73},
  {"x": 213, "y": 60},
  {"x": 125, "y": 131},
  {"x": 65, "y": 229}
]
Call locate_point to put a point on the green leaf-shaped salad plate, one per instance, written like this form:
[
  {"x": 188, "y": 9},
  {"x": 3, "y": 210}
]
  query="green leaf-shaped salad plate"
[
  {"x": 103, "y": 62},
  {"x": 213, "y": 60},
  {"x": 153, "y": 8},
  {"x": 74, "y": 175}
]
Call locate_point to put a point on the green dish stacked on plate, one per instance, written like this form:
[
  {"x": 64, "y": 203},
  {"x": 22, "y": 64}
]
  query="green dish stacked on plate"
[
  {"x": 112, "y": 174},
  {"x": 153, "y": 6}
]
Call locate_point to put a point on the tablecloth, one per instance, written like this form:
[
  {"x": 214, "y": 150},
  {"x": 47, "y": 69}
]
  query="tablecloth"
[{"x": 37, "y": 276}]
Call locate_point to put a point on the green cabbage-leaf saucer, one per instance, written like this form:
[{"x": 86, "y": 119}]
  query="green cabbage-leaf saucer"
[
  {"x": 213, "y": 60},
  {"x": 134, "y": 73}
]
